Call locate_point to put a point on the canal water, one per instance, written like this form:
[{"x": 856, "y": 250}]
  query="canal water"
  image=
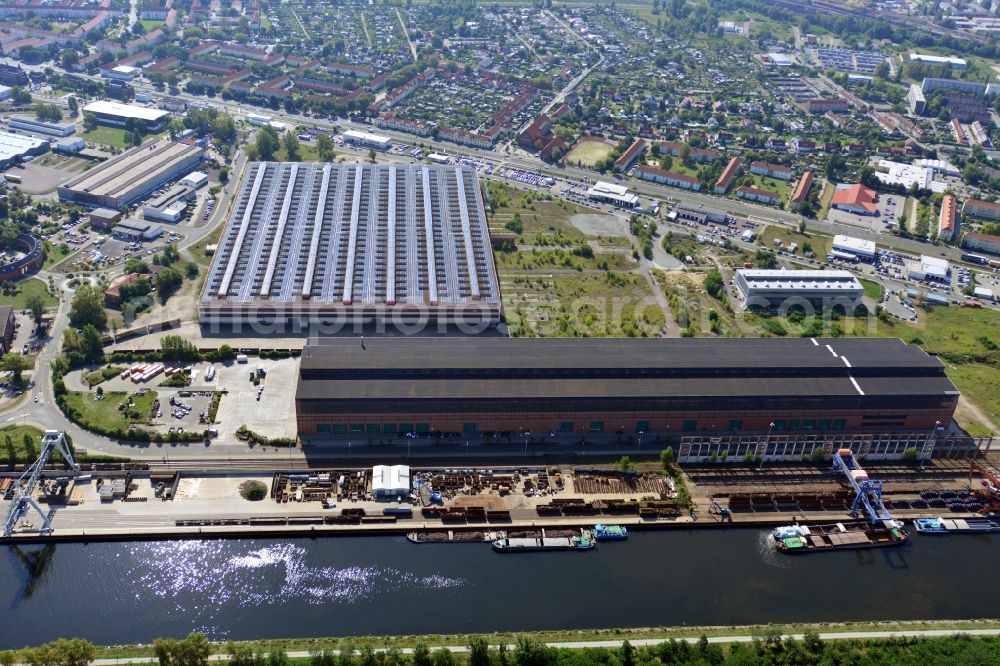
[{"x": 116, "y": 593}]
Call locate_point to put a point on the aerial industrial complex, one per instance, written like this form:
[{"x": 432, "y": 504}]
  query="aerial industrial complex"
[
  {"x": 133, "y": 174},
  {"x": 768, "y": 288},
  {"x": 479, "y": 384},
  {"x": 338, "y": 243}
]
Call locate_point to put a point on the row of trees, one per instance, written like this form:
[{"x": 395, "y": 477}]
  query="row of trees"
[{"x": 768, "y": 648}]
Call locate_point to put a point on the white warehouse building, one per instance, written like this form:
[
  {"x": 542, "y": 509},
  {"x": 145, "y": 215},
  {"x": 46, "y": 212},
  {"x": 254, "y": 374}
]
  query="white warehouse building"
[
  {"x": 390, "y": 482},
  {"x": 862, "y": 249},
  {"x": 367, "y": 139},
  {"x": 773, "y": 288}
]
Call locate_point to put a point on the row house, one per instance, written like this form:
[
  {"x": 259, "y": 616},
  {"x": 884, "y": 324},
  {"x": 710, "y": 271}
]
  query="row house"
[
  {"x": 465, "y": 138},
  {"x": 629, "y": 157},
  {"x": 671, "y": 178},
  {"x": 801, "y": 190},
  {"x": 728, "y": 175},
  {"x": 771, "y": 170},
  {"x": 986, "y": 210},
  {"x": 391, "y": 122},
  {"x": 761, "y": 196}
]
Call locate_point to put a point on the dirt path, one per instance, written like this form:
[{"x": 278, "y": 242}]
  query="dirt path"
[{"x": 968, "y": 411}]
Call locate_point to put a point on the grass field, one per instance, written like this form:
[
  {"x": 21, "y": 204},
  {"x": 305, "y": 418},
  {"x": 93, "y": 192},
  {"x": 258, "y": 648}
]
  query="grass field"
[
  {"x": 873, "y": 290},
  {"x": 981, "y": 384},
  {"x": 586, "y": 305},
  {"x": 108, "y": 136},
  {"x": 588, "y": 153},
  {"x": 103, "y": 415},
  {"x": 782, "y": 187},
  {"x": 13, "y": 448},
  {"x": 54, "y": 254},
  {"x": 820, "y": 244},
  {"x": 27, "y": 288},
  {"x": 151, "y": 24}
]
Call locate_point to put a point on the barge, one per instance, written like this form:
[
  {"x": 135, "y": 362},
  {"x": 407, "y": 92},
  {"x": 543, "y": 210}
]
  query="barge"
[
  {"x": 817, "y": 538},
  {"x": 957, "y": 525},
  {"x": 610, "y": 532},
  {"x": 532, "y": 544}
]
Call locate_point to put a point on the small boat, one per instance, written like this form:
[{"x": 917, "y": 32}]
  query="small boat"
[
  {"x": 531, "y": 544},
  {"x": 610, "y": 532},
  {"x": 789, "y": 532},
  {"x": 815, "y": 538},
  {"x": 956, "y": 525}
]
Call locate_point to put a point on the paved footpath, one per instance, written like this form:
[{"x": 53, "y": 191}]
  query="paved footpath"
[{"x": 642, "y": 642}]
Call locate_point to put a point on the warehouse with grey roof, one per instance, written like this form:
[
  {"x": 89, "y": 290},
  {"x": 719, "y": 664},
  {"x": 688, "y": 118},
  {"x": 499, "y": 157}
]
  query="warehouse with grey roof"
[
  {"x": 132, "y": 175},
  {"x": 335, "y": 244}
]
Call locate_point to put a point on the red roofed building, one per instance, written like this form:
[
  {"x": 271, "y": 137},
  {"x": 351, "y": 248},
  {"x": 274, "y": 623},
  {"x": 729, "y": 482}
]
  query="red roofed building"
[
  {"x": 987, "y": 210},
  {"x": 754, "y": 194},
  {"x": 981, "y": 242},
  {"x": 668, "y": 178},
  {"x": 948, "y": 218},
  {"x": 728, "y": 174},
  {"x": 629, "y": 157},
  {"x": 549, "y": 152},
  {"x": 856, "y": 199},
  {"x": 801, "y": 190}
]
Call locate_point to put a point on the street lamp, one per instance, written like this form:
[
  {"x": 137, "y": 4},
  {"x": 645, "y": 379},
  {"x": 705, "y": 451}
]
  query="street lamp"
[
  {"x": 770, "y": 427},
  {"x": 638, "y": 448},
  {"x": 526, "y": 433}
]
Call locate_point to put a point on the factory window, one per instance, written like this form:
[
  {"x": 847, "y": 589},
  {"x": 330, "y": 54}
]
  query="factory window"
[
  {"x": 823, "y": 424},
  {"x": 838, "y": 424},
  {"x": 597, "y": 426},
  {"x": 469, "y": 428},
  {"x": 389, "y": 428},
  {"x": 779, "y": 425},
  {"x": 642, "y": 426},
  {"x": 405, "y": 427},
  {"x": 323, "y": 429},
  {"x": 340, "y": 429},
  {"x": 357, "y": 427},
  {"x": 372, "y": 428},
  {"x": 793, "y": 425},
  {"x": 808, "y": 424},
  {"x": 566, "y": 426},
  {"x": 736, "y": 425},
  {"x": 690, "y": 425},
  {"x": 423, "y": 428}
]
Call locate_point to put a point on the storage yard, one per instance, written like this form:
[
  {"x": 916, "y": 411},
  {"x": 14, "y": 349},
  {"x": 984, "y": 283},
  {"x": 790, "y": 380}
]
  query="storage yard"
[{"x": 133, "y": 504}]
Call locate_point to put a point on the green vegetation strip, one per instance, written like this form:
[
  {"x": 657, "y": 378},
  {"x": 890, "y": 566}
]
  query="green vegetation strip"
[{"x": 764, "y": 632}]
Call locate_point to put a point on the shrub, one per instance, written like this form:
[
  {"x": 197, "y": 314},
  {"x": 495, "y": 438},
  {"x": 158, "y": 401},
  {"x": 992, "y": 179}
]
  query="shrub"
[{"x": 253, "y": 491}]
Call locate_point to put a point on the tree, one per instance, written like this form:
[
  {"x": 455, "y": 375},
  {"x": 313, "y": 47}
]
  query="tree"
[
  {"x": 91, "y": 345},
  {"x": 74, "y": 108},
  {"x": 479, "y": 652},
  {"x": 324, "y": 146},
  {"x": 290, "y": 143},
  {"x": 15, "y": 364},
  {"x": 625, "y": 463},
  {"x": 224, "y": 175},
  {"x": 266, "y": 144},
  {"x": 87, "y": 307},
  {"x": 176, "y": 348},
  {"x": 421, "y": 655},
  {"x": 36, "y": 306},
  {"x": 667, "y": 457},
  {"x": 371, "y": 156},
  {"x": 168, "y": 281}
]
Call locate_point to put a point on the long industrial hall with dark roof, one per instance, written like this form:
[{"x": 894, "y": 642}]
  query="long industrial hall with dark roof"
[{"x": 396, "y": 385}]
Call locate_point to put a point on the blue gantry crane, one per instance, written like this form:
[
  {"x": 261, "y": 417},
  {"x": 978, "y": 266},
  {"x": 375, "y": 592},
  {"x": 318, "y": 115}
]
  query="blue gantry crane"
[
  {"x": 24, "y": 487},
  {"x": 867, "y": 492}
]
